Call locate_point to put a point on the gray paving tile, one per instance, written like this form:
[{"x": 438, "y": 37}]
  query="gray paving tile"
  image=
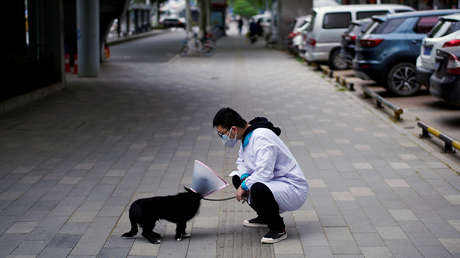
[
  {"x": 9, "y": 242},
  {"x": 341, "y": 241},
  {"x": 402, "y": 248},
  {"x": 29, "y": 248},
  {"x": 64, "y": 241},
  {"x": 389, "y": 195},
  {"x": 54, "y": 252},
  {"x": 433, "y": 251},
  {"x": 114, "y": 252},
  {"x": 94, "y": 238}
]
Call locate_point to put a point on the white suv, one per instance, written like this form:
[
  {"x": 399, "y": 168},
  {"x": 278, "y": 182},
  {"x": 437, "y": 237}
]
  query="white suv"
[
  {"x": 323, "y": 35},
  {"x": 444, "y": 35}
]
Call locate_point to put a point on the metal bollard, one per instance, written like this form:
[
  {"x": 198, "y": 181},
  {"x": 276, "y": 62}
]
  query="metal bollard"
[
  {"x": 449, "y": 144},
  {"x": 379, "y": 101}
]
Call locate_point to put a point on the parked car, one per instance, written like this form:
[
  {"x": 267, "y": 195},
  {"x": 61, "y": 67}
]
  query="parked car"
[
  {"x": 446, "y": 35},
  {"x": 445, "y": 81},
  {"x": 387, "y": 51},
  {"x": 173, "y": 22},
  {"x": 347, "y": 50},
  {"x": 322, "y": 39},
  {"x": 295, "y": 37}
]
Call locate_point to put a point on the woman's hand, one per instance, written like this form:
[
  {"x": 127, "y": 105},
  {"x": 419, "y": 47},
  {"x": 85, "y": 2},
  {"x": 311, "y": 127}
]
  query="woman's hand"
[{"x": 241, "y": 194}]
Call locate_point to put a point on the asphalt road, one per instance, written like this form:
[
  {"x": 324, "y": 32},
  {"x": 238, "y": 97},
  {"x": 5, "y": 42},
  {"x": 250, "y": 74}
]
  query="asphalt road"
[{"x": 160, "y": 48}]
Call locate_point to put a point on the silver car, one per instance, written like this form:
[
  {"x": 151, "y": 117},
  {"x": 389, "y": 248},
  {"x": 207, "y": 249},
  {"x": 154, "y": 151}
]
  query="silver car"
[{"x": 323, "y": 35}]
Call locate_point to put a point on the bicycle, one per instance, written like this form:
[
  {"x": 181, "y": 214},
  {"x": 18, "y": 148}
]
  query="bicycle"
[{"x": 195, "y": 46}]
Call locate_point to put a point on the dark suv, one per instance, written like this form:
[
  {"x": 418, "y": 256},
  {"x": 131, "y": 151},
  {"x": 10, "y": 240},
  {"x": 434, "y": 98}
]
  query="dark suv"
[
  {"x": 347, "y": 51},
  {"x": 388, "y": 49}
]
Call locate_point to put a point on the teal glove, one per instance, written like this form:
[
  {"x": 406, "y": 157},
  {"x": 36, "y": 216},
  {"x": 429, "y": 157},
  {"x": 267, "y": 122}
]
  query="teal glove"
[{"x": 244, "y": 176}]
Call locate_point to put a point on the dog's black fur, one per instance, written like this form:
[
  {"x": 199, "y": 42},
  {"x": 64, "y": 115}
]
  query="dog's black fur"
[{"x": 177, "y": 209}]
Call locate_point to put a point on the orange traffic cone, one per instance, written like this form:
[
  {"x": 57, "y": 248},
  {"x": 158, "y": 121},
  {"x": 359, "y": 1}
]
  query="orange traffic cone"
[
  {"x": 67, "y": 63},
  {"x": 75, "y": 64},
  {"x": 107, "y": 51}
]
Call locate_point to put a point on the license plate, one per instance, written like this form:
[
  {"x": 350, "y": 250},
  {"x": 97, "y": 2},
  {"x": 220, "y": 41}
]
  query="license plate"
[{"x": 427, "y": 50}]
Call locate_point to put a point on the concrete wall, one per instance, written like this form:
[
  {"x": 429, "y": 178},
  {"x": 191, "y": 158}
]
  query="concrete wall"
[{"x": 35, "y": 63}]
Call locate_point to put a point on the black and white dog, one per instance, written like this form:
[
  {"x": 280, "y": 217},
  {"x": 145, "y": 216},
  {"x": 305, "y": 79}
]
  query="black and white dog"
[{"x": 177, "y": 209}]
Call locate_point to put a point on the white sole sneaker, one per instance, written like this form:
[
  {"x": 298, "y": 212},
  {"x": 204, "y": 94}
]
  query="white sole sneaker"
[
  {"x": 272, "y": 240},
  {"x": 248, "y": 224}
]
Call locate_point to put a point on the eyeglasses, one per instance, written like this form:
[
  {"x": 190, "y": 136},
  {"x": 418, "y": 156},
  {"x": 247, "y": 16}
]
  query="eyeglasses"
[{"x": 222, "y": 134}]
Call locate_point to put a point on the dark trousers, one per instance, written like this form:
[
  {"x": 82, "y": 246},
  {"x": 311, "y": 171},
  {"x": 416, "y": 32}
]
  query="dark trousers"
[{"x": 264, "y": 204}]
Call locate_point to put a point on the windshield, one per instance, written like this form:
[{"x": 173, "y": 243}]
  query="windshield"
[
  {"x": 312, "y": 22},
  {"x": 304, "y": 27},
  {"x": 301, "y": 24},
  {"x": 361, "y": 27},
  {"x": 372, "y": 26},
  {"x": 444, "y": 27},
  {"x": 388, "y": 26},
  {"x": 352, "y": 28}
]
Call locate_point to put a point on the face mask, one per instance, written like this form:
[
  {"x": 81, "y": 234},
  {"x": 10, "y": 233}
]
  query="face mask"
[{"x": 227, "y": 141}]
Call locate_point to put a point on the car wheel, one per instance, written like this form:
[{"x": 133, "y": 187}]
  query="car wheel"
[
  {"x": 336, "y": 62},
  {"x": 401, "y": 80}
]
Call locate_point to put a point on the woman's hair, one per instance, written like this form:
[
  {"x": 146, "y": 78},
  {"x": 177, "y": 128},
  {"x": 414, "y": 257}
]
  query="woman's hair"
[{"x": 227, "y": 117}]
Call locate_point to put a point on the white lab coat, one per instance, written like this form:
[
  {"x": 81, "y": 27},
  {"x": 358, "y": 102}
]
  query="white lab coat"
[{"x": 268, "y": 160}]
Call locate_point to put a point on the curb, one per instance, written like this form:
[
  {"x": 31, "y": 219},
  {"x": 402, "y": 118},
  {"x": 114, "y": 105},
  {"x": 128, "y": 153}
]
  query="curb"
[
  {"x": 397, "y": 111},
  {"x": 29, "y": 97},
  {"x": 451, "y": 164}
]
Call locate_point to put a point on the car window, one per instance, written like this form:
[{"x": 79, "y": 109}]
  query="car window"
[
  {"x": 304, "y": 27},
  {"x": 351, "y": 28},
  {"x": 425, "y": 24},
  {"x": 439, "y": 29},
  {"x": 337, "y": 20},
  {"x": 302, "y": 23},
  {"x": 455, "y": 26},
  {"x": 403, "y": 11},
  {"x": 362, "y": 27},
  {"x": 443, "y": 28},
  {"x": 368, "y": 14},
  {"x": 372, "y": 26},
  {"x": 388, "y": 26},
  {"x": 312, "y": 22}
]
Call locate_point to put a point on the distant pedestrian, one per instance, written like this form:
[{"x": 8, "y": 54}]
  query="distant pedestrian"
[
  {"x": 259, "y": 29},
  {"x": 253, "y": 31},
  {"x": 240, "y": 25}
]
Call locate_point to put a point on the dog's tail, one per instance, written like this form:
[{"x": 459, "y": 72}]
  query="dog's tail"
[{"x": 133, "y": 219}]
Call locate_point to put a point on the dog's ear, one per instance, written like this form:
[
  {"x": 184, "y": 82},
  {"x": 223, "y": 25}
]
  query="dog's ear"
[
  {"x": 193, "y": 192},
  {"x": 188, "y": 189}
]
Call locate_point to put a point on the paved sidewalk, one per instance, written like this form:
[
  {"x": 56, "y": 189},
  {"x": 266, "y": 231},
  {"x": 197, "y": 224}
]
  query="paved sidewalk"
[{"x": 71, "y": 164}]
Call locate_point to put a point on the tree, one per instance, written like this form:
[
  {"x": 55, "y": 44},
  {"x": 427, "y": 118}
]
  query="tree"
[{"x": 244, "y": 8}]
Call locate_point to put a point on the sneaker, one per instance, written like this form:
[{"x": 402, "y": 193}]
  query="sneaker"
[
  {"x": 255, "y": 223},
  {"x": 273, "y": 236}
]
